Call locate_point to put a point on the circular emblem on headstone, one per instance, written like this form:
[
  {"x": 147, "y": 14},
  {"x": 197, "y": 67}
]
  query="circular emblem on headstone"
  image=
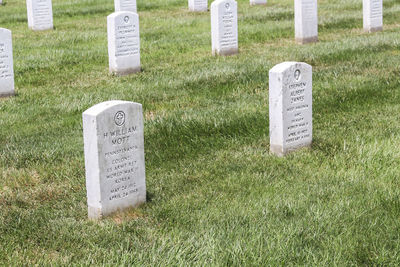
[
  {"x": 119, "y": 118},
  {"x": 227, "y": 6},
  {"x": 126, "y": 19},
  {"x": 297, "y": 75}
]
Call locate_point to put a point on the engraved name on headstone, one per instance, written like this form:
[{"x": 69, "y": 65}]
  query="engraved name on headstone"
[
  {"x": 372, "y": 15},
  {"x": 114, "y": 157},
  {"x": 40, "y": 14},
  {"x": 125, "y": 5},
  {"x": 258, "y": 2},
  {"x": 290, "y": 107},
  {"x": 123, "y": 42},
  {"x": 6, "y": 64},
  {"x": 306, "y": 21},
  {"x": 224, "y": 27},
  {"x": 198, "y": 5}
]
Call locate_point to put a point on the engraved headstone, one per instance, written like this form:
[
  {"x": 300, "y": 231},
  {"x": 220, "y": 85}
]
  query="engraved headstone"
[
  {"x": 372, "y": 15},
  {"x": 125, "y": 5},
  {"x": 6, "y": 64},
  {"x": 123, "y": 42},
  {"x": 114, "y": 157},
  {"x": 224, "y": 27},
  {"x": 290, "y": 107},
  {"x": 306, "y": 21},
  {"x": 40, "y": 14},
  {"x": 258, "y": 2},
  {"x": 198, "y": 5}
]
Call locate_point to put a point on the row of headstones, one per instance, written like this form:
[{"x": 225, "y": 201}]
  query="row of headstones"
[
  {"x": 124, "y": 38},
  {"x": 114, "y": 140}
]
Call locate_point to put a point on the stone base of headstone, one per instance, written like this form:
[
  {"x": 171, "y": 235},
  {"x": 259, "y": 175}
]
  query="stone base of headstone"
[
  {"x": 6, "y": 94},
  {"x": 307, "y": 40},
  {"x": 228, "y": 52},
  {"x": 376, "y": 29},
  {"x": 120, "y": 72},
  {"x": 281, "y": 152}
]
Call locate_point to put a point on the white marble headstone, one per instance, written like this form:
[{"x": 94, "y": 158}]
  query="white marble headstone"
[
  {"x": 290, "y": 107},
  {"x": 123, "y": 42},
  {"x": 1, "y": 2},
  {"x": 198, "y": 5},
  {"x": 125, "y": 5},
  {"x": 306, "y": 21},
  {"x": 40, "y": 14},
  {"x": 114, "y": 157},
  {"x": 258, "y": 2},
  {"x": 372, "y": 15},
  {"x": 224, "y": 27},
  {"x": 6, "y": 64}
]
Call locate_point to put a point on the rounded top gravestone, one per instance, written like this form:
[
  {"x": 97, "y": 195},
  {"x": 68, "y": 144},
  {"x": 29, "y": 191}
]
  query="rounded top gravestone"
[
  {"x": 290, "y": 107},
  {"x": 114, "y": 157}
]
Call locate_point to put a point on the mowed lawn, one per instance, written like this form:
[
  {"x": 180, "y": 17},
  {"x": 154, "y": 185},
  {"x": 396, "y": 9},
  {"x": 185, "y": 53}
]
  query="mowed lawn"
[{"x": 216, "y": 196}]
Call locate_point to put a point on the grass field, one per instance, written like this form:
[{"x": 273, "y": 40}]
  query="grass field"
[{"x": 216, "y": 196}]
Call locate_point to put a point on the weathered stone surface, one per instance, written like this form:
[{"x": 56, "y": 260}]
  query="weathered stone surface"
[
  {"x": 40, "y": 14},
  {"x": 306, "y": 21},
  {"x": 224, "y": 27},
  {"x": 123, "y": 42},
  {"x": 198, "y": 5},
  {"x": 290, "y": 107},
  {"x": 6, "y": 64},
  {"x": 114, "y": 157},
  {"x": 258, "y": 2},
  {"x": 125, "y": 5},
  {"x": 372, "y": 15}
]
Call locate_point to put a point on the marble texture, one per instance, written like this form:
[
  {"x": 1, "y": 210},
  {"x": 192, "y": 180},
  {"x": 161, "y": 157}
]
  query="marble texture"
[
  {"x": 125, "y": 5},
  {"x": 123, "y": 43},
  {"x": 372, "y": 15},
  {"x": 198, "y": 5},
  {"x": 114, "y": 157},
  {"x": 6, "y": 63},
  {"x": 224, "y": 27},
  {"x": 306, "y": 21},
  {"x": 40, "y": 14},
  {"x": 290, "y": 107}
]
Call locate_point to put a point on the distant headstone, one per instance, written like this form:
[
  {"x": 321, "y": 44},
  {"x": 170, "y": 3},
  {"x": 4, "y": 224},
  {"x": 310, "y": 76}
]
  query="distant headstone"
[
  {"x": 306, "y": 21},
  {"x": 6, "y": 64},
  {"x": 114, "y": 157},
  {"x": 1, "y": 2},
  {"x": 125, "y": 5},
  {"x": 224, "y": 27},
  {"x": 372, "y": 15},
  {"x": 258, "y": 2},
  {"x": 198, "y": 5},
  {"x": 290, "y": 107},
  {"x": 40, "y": 14},
  {"x": 123, "y": 42}
]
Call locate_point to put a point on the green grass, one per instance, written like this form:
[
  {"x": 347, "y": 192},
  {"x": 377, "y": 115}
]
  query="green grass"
[{"x": 216, "y": 196}]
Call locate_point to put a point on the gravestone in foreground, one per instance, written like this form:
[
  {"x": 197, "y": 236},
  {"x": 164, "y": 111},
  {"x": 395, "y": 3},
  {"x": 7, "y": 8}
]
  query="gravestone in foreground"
[
  {"x": 198, "y": 5},
  {"x": 306, "y": 21},
  {"x": 114, "y": 157},
  {"x": 6, "y": 64},
  {"x": 290, "y": 107},
  {"x": 224, "y": 27},
  {"x": 125, "y": 5},
  {"x": 372, "y": 15},
  {"x": 123, "y": 42},
  {"x": 40, "y": 14},
  {"x": 258, "y": 2}
]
